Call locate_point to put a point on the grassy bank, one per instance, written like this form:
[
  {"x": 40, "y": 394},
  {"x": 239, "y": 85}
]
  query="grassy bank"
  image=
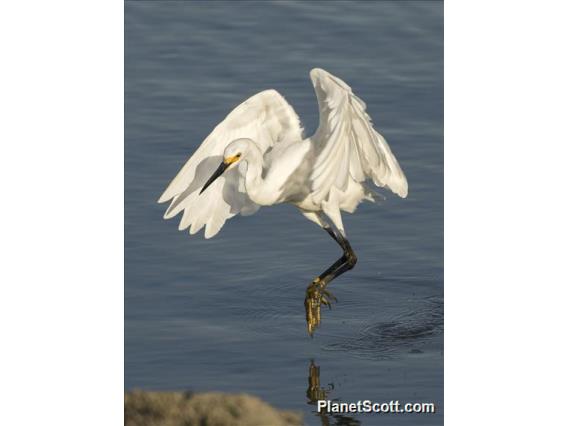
[{"x": 143, "y": 408}]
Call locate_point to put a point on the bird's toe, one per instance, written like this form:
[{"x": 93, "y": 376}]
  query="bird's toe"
[{"x": 316, "y": 296}]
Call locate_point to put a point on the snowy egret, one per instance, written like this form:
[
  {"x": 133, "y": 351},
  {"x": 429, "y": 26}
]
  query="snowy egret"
[{"x": 257, "y": 156}]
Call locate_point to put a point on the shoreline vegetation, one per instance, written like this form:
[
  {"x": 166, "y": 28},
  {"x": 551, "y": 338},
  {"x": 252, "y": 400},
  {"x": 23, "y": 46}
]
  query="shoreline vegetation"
[{"x": 148, "y": 408}]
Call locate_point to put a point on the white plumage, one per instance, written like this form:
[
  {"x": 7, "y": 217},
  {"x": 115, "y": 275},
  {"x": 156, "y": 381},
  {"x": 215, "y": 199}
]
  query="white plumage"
[{"x": 267, "y": 161}]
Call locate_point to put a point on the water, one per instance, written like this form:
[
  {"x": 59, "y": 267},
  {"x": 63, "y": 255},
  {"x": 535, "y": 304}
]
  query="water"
[{"x": 227, "y": 314}]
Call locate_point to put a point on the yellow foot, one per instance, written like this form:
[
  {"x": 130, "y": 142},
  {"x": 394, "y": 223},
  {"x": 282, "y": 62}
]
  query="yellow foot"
[{"x": 316, "y": 295}]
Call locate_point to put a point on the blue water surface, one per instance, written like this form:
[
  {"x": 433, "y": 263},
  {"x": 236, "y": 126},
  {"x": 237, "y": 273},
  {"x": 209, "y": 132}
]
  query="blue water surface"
[{"x": 227, "y": 313}]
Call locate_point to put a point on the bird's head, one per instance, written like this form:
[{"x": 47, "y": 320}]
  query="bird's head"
[{"x": 234, "y": 153}]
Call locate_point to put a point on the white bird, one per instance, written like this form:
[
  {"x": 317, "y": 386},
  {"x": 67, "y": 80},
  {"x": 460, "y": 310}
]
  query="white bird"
[{"x": 257, "y": 156}]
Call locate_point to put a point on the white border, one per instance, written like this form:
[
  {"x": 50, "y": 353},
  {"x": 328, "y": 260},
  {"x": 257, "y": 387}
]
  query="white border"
[
  {"x": 505, "y": 212},
  {"x": 61, "y": 307}
]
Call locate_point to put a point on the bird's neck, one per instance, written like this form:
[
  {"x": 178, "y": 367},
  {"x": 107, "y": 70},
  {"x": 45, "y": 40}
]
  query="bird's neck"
[{"x": 258, "y": 189}]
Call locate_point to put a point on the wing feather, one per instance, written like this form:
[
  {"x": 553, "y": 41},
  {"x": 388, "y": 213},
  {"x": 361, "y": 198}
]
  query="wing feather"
[
  {"x": 267, "y": 119},
  {"x": 347, "y": 145}
]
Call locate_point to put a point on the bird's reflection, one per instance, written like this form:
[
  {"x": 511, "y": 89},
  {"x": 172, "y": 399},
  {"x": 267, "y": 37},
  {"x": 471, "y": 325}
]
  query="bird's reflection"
[{"x": 316, "y": 392}]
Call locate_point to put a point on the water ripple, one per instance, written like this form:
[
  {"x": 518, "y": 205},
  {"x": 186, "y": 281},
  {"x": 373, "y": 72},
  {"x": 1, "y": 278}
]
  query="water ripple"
[{"x": 385, "y": 339}]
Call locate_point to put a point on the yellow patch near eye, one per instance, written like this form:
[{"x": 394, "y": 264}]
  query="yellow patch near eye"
[{"x": 231, "y": 160}]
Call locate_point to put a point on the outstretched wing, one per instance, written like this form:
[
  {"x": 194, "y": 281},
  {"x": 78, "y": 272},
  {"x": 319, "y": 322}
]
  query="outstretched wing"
[
  {"x": 347, "y": 146},
  {"x": 267, "y": 119}
]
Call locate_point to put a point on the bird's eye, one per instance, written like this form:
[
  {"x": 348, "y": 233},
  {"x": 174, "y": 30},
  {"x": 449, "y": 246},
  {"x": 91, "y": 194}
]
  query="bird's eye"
[{"x": 238, "y": 155}]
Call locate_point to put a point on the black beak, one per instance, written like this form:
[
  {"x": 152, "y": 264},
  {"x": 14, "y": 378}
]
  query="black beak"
[{"x": 222, "y": 167}]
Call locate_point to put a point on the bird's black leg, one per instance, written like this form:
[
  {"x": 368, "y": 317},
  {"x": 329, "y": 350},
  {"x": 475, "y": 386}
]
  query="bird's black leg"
[
  {"x": 316, "y": 293},
  {"x": 343, "y": 264},
  {"x": 332, "y": 234}
]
